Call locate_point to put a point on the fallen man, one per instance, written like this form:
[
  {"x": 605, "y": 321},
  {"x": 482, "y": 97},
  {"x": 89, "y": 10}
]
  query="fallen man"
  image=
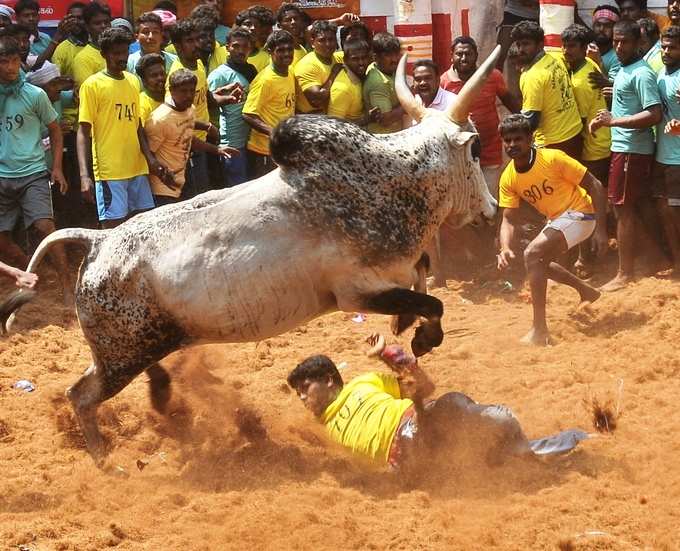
[{"x": 387, "y": 418}]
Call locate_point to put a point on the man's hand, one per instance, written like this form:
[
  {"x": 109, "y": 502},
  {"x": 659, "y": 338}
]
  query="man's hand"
[
  {"x": 26, "y": 280},
  {"x": 505, "y": 258},
  {"x": 602, "y": 119},
  {"x": 377, "y": 343},
  {"x": 673, "y": 127},
  {"x": 228, "y": 152},
  {"x": 213, "y": 134},
  {"x": 598, "y": 80},
  {"x": 600, "y": 242},
  {"x": 65, "y": 28},
  {"x": 59, "y": 178},
  {"x": 164, "y": 174},
  {"x": 87, "y": 189},
  {"x": 374, "y": 115},
  {"x": 229, "y": 94},
  {"x": 348, "y": 18},
  {"x": 608, "y": 93},
  {"x": 593, "y": 52}
]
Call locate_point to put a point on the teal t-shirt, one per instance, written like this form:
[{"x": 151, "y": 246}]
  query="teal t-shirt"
[
  {"x": 635, "y": 89},
  {"x": 222, "y": 33},
  {"x": 134, "y": 58},
  {"x": 23, "y": 115},
  {"x": 668, "y": 146},
  {"x": 40, "y": 43},
  {"x": 233, "y": 129},
  {"x": 610, "y": 64}
]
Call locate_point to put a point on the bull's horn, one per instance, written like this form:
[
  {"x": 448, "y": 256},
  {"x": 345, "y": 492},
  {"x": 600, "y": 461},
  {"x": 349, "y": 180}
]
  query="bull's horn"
[
  {"x": 406, "y": 98},
  {"x": 460, "y": 109}
]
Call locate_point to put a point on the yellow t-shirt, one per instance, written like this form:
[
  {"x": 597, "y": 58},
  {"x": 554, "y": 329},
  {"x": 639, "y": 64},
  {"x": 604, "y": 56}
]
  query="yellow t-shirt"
[
  {"x": 310, "y": 71},
  {"x": 339, "y": 57},
  {"x": 63, "y": 57},
  {"x": 260, "y": 59},
  {"x": 298, "y": 53},
  {"x": 346, "y": 101},
  {"x": 272, "y": 98},
  {"x": 86, "y": 63},
  {"x": 170, "y": 48},
  {"x": 146, "y": 106},
  {"x": 551, "y": 185},
  {"x": 218, "y": 57},
  {"x": 169, "y": 133},
  {"x": 366, "y": 415},
  {"x": 589, "y": 101},
  {"x": 546, "y": 88},
  {"x": 111, "y": 106},
  {"x": 200, "y": 97}
]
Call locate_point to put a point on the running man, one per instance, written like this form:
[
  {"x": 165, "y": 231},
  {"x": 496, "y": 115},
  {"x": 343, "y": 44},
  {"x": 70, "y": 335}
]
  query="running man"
[{"x": 570, "y": 197}]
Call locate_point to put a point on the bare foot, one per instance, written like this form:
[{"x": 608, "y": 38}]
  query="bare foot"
[
  {"x": 588, "y": 296},
  {"x": 621, "y": 281},
  {"x": 537, "y": 337}
]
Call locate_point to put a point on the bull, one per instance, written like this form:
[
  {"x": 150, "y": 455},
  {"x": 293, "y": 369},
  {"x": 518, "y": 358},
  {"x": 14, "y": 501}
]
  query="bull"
[{"x": 340, "y": 225}]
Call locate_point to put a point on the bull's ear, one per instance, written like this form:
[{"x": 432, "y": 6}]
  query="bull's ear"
[{"x": 461, "y": 138}]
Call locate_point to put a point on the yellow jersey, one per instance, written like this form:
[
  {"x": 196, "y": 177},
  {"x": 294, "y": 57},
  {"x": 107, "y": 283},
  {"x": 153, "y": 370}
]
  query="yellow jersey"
[
  {"x": 63, "y": 57},
  {"x": 298, "y": 53},
  {"x": 272, "y": 98},
  {"x": 111, "y": 106},
  {"x": 346, "y": 101},
  {"x": 146, "y": 106},
  {"x": 366, "y": 415},
  {"x": 310, "y": 71},
  {"x": 551, "y": 185},
  {"x": 217, "y": 58},
  {"x": 86, "y": 63},
  {"x": 200, "y": 97},
  {"x": 546, "y": 88},
  {"x": 260, "y": 59}
]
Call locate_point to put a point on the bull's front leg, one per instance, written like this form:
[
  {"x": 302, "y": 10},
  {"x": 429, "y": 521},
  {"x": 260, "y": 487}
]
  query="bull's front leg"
[{"x": 404, "y": 302}]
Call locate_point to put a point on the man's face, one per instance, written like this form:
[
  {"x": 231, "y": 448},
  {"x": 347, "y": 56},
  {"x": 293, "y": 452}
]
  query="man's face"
[
  {"x": 291, "y": 21},
  {"x": 425, "y": 83},
  {"x": 604, "y": 31},
  {"x": 239, "y": 49},
  {"x": 154, "y": 78},
  {"x": 282, "y": 55},
  {"x": 4, "y": 21},
  {"x": 187, "y": 48},
  {"x": 97, "y": 25},
  {"x": 464, "y": 59},
  {"x": 206, "y": 42},
  {"x": 150, "y": 38},
  {"x": 10, "y": 65},
  {"x": 574, "y": 52},
  {"x": 260, "y": 31},
  {"x": 29, "y": 18},
  {"x": 646, "y": 41},
  {"x": 528, "y": 49},
  {"x": 116, "y": 57},
  {"x": 325, "y": 44},
  {"x": 626, "y": 47},
  {"x": 358, "y": 61},
  {"x": 316, "y": 394},
  {"x": 630, "y": 10},
  {"x": 674, "y": 11},
  {"x": 79, "y": 22},
  {"x": 183, "y": 95},
  {"x": 516, "y": 144},
  {"x": 388, "y": 62},
  {"x": 670, "y": 52},
  {"x": 24, "y": 42}
]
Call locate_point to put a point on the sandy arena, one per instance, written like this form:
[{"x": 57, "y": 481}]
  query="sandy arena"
[{"x": 211, "y": 476}]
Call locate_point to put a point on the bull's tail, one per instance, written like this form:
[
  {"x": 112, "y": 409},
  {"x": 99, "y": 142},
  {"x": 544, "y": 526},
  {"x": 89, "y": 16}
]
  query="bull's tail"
[{"x": 16, "y": 300}]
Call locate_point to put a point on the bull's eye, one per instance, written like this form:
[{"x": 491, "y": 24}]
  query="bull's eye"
[{"x": 476, "y": 149}]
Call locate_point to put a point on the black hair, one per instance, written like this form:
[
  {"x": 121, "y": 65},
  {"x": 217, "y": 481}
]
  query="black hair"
[
  {"x": 386, "y": 43},
  {"x": 527, "y": 30},
  {"x": 427, "y": 63},
  {"x": 672, "y": 33},
  {"x": 356, "y": 25},
  {"x": 515, "y": 123},
  {"x": 464, "y": 40},
  {"x": 8, "y": 46},
  {"x": 650, "y": 27},
  {"x": 15, "y": 29},
  {"x": 322, "y": 26},
  {"x": 316, "y": 368},
  {"x": 181, "y": 30},
  {"x": 577, "y": 33},
  {"x": 76, "y": 5},
  {"x": 355, "y": 44},
  {"x": 204, "y": 11},
  {"x": 607, "y": 7},
  {"x": 264, "y": 15},
  {"x": 148, "y": 18},
  {"x": 94, "y": 9},
  {"x": 630, "y": 28},
  {"x": 241, "y": 32},
  {"x": 167, "y": 5},
  {"x": 641, "y": 4},
  {"x": 277, "y": 38},
  {"x": 146, "y": 61},
  {"x": 26, "y": 5},
  {"x": 113, "y": 36},
  {"x": 205, "y": 24},
  {"x": 180, "y": 77},
  {"x": 287, "y": 6}
]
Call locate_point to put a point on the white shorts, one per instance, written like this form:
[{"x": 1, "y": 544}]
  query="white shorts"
[{"x": 575, "y": 226}]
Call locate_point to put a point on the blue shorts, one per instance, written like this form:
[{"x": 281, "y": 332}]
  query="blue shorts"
[{"x": 116, "y": 199}]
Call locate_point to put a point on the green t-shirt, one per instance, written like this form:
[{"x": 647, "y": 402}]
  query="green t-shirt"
[
  {"x": 379, "y": 92},
  {"x": 233, "y": 129}
]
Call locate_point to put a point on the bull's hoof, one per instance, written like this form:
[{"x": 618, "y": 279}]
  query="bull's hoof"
[{"x": 428, "y": 335}]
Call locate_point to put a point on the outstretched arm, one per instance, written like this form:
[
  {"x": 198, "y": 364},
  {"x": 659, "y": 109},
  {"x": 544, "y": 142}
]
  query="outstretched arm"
[
  {"x": 21, "y": 278},
  {"x": 507, "y": 234}
]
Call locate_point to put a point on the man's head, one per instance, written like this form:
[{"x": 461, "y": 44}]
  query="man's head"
[
  {"x": 357, "y": 56},
  {"x": 317, "y": 382},
  {"x": 114, "y": 44},
  {"x": 259, "y": 20},
  {"x": 670, "y": 47},
  {"x": 6, "y": 16},
  {"x": 21, "y": 35},
  {"x": 28, "y": 14},
  {"x": 280, "y": 46},
  {"x": 97, "y": 19},
  {"x": 49, "y": 79},
  {"x": 575, "y": 40},
  {"x": 517, "y": 136},
  {"x": 604, "y": 19},
  {"x": 323, "y": 38},
  {"x": 291, "y": 18},
  {"x": 464, "y": 55},
  {"x": 151, "y": 69},
  {"x": 239, "y": 44},
  {"x": 355, "y": 31},
  {"x": 76, "y": 11},
  {"x": 627, "y": 41},
  {"x": 206, "y": 11},
  {"x": 205, "y": 26},
  {"x": 632, "y": 9},
  {"x": 529, "y": 39},
  {"x": 214, "y": 4},
  {"x": 649, "y": 34},
  {"x": 387, "y": 52},
  {"x": 184, "y": 36},
  {"x": 426, "y": 80},
  {"x": 149, "y": 32},
  {"x": 674, "y": 12},
  {"x": 10, "y": 59},
  {"x": 182, "y": 84}
]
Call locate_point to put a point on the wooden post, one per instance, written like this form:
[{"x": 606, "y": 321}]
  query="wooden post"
[{"x": 556, "y": 15}]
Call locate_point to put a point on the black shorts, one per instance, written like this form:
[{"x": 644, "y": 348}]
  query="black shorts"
[
  {"x": 666, "y": 183},
  {"x": 28, "y": 197}
]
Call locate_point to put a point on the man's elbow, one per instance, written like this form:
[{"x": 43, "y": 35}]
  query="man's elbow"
[{"x": 656, "y": 115}]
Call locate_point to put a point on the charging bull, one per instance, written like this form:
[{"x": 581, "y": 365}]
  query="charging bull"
[{"x": 341, "y": 225}]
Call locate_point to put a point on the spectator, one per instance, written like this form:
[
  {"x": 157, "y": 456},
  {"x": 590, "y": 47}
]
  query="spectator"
[
  {"x": 24, "y": 179},
  {"x": 650, "y": 43},
  {"x": 22, "y": 36},
  {"x": 210, "y": 52},
  {"x": 89, "y": 60},
  {"x": 6, "y": 16},
  {"x": 221, "y": 30},
  {"x": 315, "y": 72},
  {"x": 355, "y": 29},
  {"x": 234, "y": 131},
  {"x": 271, "y": 100},
  {"x": 151, "y": 71},
  {"x": 28, "y": 15},
  {"x": 290, "y": 17},
  {"x": 149, "y": 34},
  {"x": 604, "y": 18},
  {"x": 674, "y": 12},
  {"x": 168, "y": 21},
  {"x": 515, "y": 12},
  {"x": 483, "y": 113},
  {"x": 636, "y": 108},
  {"x": 634, "y": 10},
  {"x": 548, "y": 100},
  {"x": 346, "y": 100},
  {"x": 259, "y": 21},
  {"x": 379, "y": 85},
  {"x": 426, "y": 85},
  {"x": 69, "y": 38},
  {"x": 110, "y": 137}
]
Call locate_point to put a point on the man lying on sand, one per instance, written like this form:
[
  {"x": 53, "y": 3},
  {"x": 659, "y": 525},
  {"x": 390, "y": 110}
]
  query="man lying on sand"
[
  {"x": 21, "y": 278},
  {"x": 387, "y": 417}
]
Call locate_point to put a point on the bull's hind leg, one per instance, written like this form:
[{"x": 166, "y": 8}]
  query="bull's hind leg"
[{"x": 159, "y": 387}]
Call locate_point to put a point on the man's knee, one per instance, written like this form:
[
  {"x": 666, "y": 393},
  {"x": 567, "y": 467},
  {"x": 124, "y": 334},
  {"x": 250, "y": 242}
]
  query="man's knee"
[
  {"x": 43, "y": 226},
  {"x": 532, "y": 256}
]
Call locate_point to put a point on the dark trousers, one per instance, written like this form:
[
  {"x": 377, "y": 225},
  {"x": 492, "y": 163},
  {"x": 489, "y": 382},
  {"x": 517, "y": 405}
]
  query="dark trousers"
[
  {"x": 197, "y": 180},
  {"x": 259, "y": 165}
]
